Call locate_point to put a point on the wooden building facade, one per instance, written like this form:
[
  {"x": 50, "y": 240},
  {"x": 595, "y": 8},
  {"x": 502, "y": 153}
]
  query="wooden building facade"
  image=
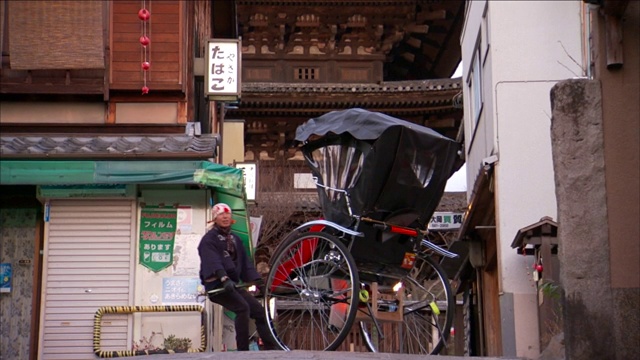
[{"x": 301, "y": 59}]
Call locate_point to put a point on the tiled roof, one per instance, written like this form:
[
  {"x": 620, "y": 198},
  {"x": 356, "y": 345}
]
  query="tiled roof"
[
  {"x": 306, "y": 100},
  {"x": 383, "y": 87},
  {"x": 453, "y": 201},
  {"x": 107, "y": 146}
]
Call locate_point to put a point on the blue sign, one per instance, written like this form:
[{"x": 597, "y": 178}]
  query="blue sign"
[
  {"x": 5, "y": 277},
  {"x": 176, "y": 290}
]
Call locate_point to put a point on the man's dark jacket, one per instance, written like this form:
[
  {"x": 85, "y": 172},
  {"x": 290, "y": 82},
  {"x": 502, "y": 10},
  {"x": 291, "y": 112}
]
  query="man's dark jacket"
[{"x": 215, "y": 260}]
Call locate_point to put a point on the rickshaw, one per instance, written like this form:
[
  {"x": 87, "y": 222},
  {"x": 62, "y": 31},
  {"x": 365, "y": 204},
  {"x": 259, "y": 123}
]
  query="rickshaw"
[{"x": 368, "y": 261}]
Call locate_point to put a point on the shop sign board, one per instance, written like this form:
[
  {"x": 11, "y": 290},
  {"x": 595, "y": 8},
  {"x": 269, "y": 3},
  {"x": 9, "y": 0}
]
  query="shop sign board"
[
  {"x": 157, "y": 236},
  {"x": 180, "y": 291},
  {"x": 222, "y": 73},
  {"x": 443, "y": 220}
]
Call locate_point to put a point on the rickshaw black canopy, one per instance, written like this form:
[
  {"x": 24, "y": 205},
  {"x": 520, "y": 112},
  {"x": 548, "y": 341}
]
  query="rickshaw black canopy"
[{"x": 387, "y": 165}]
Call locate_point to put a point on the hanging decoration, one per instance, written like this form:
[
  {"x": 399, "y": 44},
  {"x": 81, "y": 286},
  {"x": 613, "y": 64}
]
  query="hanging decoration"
[{"x": 144, "y": 15}]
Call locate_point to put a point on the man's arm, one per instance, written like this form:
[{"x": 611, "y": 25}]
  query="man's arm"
[{"x": 211, "y": 259}]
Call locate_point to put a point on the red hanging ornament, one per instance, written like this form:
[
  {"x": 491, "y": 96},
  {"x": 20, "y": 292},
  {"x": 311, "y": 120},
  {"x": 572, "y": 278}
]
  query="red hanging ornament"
[
  {"x": 144, "y": 40},
  {"x": 144, "y": 14}
]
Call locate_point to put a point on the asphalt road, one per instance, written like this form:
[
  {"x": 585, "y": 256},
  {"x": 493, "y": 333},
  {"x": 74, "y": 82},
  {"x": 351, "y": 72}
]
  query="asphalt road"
[{"x": 307, "y": 355}]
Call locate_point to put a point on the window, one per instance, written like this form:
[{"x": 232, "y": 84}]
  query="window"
[
  {"x": 304, "y": 73},
  {"x": 475, "y": 87}
]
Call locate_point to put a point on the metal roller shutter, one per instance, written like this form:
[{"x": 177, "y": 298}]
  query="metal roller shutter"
[{"x": 88, "y": 263}]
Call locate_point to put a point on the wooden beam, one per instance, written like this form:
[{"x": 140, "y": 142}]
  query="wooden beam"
[
  {"x": 151, "y": 97},
  {"x": 431, "y": 15},
  {"x": 154, "y": 86},
  {"x": 414, "y": 42},
  {"x": 31, "y": 88},
  {"x": 613, "y": 41},
  {"x": 615, "y": 7},
  {"x": 90, "y": 129},
  {"x": 441, "y": 123},
  {"x": 111, "y": 113},
  {"x": 430, "y": 44},
  {"x": 417, "y": 29},
  {"x": 613, "y": 11},
  {"x": 408, "y": 56},
  {"x": 438, "y": 29},
  {"x": 182, "y": 112}
]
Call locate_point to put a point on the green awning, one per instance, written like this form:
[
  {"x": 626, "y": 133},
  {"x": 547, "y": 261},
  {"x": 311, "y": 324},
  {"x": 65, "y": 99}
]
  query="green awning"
[
  {"x": 227, "y": 182},
  {"x": 72, "y": 172}
]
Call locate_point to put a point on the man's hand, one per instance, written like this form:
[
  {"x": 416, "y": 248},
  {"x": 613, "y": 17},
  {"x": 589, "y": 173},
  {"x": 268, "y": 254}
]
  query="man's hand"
[
  {"x": 229, "y": 285},
  {"x": 259, "y": 283}
]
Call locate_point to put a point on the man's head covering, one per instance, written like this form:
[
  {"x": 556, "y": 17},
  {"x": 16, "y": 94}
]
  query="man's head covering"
[{"x": 218, "y": 209}]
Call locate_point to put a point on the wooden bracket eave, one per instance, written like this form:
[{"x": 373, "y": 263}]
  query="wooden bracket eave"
[{"x": 613, "y": 11}]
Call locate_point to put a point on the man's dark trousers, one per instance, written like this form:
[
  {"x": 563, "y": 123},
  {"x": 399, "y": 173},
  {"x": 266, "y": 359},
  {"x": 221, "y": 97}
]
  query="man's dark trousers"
[{"x": 246, "y": 306}]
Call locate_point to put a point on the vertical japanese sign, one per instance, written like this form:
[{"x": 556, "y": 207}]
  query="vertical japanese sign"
[
  {"x": 250, "y": 174},
  {"x": 157, "y": 235},
  {"x": 223, "y": 69}
]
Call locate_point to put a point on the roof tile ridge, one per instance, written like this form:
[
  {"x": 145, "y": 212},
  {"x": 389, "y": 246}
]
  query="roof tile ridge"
[{"x": 405, "y": 85}]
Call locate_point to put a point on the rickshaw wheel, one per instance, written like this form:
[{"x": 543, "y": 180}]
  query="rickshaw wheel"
[
  {"x": 427, "y": 318},
  {"x": 311, "y": 292}
]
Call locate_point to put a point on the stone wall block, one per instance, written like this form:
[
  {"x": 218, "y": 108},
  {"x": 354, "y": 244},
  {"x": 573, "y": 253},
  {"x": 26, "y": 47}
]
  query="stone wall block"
[{"x": 578, "y": 160}]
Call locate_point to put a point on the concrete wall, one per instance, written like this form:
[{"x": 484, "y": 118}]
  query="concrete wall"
[
  {"x": 52, "y": 113},
  {"x": 531, "y": 46},
  {"x": 87, "y": 113},
  {"x": 582, "y": 228},
  {"x": 596, "y": 150},
  {"x": 17, "y": 233},
  {"x": 232, "y": 142},
  {"x": 146, "y": 113},
  {"x": 479, "y": 137},
  {"x": 186, "y": 265}
]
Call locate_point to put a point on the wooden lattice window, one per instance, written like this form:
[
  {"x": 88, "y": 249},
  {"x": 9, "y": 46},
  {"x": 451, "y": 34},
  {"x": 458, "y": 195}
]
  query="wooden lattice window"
[{"x": 306, "y": 73}]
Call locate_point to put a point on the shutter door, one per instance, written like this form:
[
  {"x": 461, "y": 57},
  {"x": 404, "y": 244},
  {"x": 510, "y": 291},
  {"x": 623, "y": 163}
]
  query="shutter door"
[{"x": 88, "y": 262}]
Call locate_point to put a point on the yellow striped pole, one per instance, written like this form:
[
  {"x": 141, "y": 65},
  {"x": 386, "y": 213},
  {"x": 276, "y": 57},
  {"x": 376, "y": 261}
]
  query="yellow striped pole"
[{"x": 97, "y": 328}]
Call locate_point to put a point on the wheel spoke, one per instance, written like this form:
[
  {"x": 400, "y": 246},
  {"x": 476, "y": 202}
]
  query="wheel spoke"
[
  {"x": 312, "y": 285},
  {"x": 425, "y": 328}
]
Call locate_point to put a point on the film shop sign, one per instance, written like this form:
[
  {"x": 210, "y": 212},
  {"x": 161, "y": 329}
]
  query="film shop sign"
[{"x": 157, "y": 236}]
